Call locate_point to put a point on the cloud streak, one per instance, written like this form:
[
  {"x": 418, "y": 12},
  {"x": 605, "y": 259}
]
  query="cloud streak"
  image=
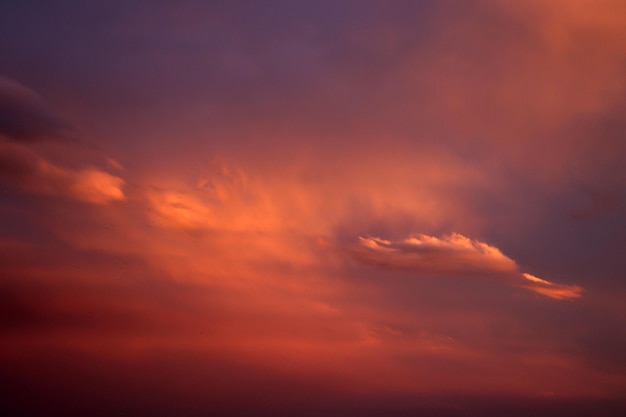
[{"x": 455, "y": 255}]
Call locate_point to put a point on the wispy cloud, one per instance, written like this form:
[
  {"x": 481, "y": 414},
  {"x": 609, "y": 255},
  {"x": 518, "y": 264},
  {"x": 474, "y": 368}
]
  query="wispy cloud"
[{"x": 455, "y": 255}]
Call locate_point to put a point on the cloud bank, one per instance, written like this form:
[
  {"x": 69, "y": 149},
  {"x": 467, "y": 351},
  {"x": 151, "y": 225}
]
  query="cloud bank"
[{"x": 455, "y": 255}]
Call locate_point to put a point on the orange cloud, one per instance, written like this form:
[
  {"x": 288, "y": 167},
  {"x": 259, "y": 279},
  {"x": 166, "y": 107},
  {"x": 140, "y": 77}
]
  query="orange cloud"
[
  {"x": 455, "y": 255},
  {"x": 177, "y": 209},
  {"x": 95, "y": 186},
  {"x": 214, "y": 205},
  {"x": 550, "y": 289}
]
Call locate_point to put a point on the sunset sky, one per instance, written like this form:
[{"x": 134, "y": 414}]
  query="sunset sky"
[{"x": 313, "y": 208}]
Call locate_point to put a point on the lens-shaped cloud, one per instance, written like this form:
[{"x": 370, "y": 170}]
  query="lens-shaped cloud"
[{"x": 455, "y": 255}]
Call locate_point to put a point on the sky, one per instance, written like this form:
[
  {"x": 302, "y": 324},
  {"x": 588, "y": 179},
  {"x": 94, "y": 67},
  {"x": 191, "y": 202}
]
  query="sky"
[{"x": 313, "y": 208}]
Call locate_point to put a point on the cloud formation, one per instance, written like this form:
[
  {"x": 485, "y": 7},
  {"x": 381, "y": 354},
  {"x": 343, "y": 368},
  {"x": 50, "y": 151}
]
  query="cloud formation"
[{"x": 455, "y": 255}]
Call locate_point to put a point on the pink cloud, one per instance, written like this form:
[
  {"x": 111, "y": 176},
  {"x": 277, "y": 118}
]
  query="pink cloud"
[{"x": 455, "y": 255}]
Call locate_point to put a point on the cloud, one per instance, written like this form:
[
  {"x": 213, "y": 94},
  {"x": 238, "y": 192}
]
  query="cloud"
[
  {"x": 179, "y": 210},
  {"x": 95, "y": 186},
  {"x": 25, "y": 117},
  {"x": 455, "y": 255},
  {"x": 222, "y": 198},
  {"x": 380, "y": 120},
  {"x": 26, "y": 120},
  {"x": 223, "y": 181},
  {"x": 550, "y": 289},
  {"x": 25, "y": 170}
]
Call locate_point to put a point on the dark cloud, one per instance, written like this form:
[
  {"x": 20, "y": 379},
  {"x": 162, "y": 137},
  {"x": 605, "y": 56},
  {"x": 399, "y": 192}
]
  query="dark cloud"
[{"x": 24, "y": 116}]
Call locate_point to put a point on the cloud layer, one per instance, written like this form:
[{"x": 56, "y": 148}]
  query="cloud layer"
[{"x": 180, "y": 216}]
